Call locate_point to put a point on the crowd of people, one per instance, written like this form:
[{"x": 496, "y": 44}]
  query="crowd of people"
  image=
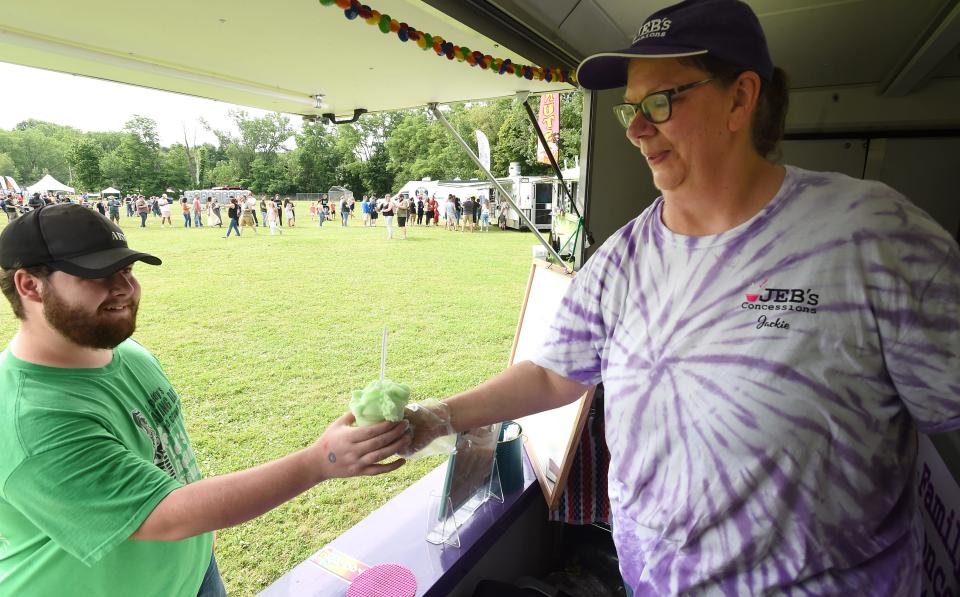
[
  {"x": 402, "y": 212},
  {"x": 245, "y": 211},
  {"x": 242, "y": 210}
]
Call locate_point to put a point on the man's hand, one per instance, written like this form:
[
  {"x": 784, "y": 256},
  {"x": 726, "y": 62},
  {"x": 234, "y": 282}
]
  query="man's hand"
[
  {"x": 346, "y": 451},
  {"x": 228, "y": 500}
]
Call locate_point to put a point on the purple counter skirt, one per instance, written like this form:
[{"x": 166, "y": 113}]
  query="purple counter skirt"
[{"x": 395, "y": 534}]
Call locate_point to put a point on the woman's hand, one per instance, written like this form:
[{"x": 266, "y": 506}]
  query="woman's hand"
[
  {"x": 429, "y": 420},
  {"x": 347, "y": 451}
]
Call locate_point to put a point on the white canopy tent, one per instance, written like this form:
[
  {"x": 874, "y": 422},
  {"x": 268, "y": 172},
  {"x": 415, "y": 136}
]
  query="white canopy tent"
[
  {"x": 49, "y": 184},
  {"x": 110, "y": 191}
]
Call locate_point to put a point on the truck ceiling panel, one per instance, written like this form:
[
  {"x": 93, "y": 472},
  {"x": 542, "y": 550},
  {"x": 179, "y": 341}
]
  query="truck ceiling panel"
[
  {"x": 818, "y": 42},
  {"x": 270, "y": 55}
]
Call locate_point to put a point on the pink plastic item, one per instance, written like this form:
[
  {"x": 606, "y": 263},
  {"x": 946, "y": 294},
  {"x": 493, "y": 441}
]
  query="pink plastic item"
[{"x": 385, "y": 580}]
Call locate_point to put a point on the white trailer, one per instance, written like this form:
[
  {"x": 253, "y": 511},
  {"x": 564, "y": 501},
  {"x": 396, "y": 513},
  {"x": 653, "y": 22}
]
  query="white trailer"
[{"x": 221, "y": 196}]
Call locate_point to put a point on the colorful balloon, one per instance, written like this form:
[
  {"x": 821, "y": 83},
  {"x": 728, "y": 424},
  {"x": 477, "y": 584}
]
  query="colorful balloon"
[{"x": 352, "y": 9}]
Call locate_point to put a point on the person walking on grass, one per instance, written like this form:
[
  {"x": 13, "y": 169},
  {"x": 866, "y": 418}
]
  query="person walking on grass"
[
  {"x": 276, "y": 199},
  {"x": 250, "y": 207},
  {"x": 273, "y": 215},
  {"x": 216, "y": 212},
  {"x": 185, "y": 209},
  {"x": 321, "y": 214},
  {"x": 233, "y": 214},
  {"x": 289, "y": 213},
  {"x": 428, "y": 207},
  {"x": 484, "y": 214},
  {"x": 246, "y": 215},
  {"x": 163, "y": 204},
  {"x": 467, "y": 218},
  {"x": 102, "y": 492},
  {"x": 389, "y": 208},
  {"x": 403, "y": 211},
  {"x": 450, "y": 214},
  {"x": 250, "y": 202},
  {"x": 143, "y": 210},
  {"x": 344, "y": 212},
  {"x": 197, "y": 212},
  {"x": 313, "y": 211},
  {"x": 374, "y": 211},
  {"x": 365, "y": 211},
  {"x": 113, "y": 206}
]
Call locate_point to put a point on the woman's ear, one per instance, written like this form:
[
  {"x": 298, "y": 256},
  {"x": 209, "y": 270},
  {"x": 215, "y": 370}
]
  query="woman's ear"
[{"x": 746, "y": 91}]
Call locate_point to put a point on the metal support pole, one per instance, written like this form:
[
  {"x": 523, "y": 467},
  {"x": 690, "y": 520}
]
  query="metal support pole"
[{"x": 439, "y": 116}]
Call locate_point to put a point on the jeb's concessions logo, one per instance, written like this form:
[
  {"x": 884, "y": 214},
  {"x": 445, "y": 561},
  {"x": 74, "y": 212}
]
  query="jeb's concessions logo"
[
  {"x": 653, "y": 28},
  {"x": 760, "y": 297}
]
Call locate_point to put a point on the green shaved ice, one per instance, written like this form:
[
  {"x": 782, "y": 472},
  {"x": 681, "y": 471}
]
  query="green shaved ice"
[{"x": 379, "y": 401}]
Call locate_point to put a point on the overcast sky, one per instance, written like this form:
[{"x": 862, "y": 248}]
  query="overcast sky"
[{"x": 95, "y": 105}]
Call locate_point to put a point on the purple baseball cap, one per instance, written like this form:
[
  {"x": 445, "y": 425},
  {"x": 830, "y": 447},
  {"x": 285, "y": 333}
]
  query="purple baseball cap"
[{"x": 727, "y": 29}]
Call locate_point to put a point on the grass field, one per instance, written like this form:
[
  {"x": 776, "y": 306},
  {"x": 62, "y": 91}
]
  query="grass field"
[{"x": 264, "y": 338}]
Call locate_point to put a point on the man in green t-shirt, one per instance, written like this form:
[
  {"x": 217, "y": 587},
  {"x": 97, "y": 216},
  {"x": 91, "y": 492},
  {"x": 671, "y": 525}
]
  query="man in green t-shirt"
[{"x": 100, "y": 492}]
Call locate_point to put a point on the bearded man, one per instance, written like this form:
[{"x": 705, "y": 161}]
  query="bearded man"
[{"x": 99, "y": 485}]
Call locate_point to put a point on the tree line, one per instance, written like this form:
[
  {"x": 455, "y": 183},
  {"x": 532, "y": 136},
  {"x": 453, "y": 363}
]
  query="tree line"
[{"x": 374, "y": 156}]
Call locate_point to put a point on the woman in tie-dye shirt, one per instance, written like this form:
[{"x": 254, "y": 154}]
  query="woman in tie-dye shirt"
[{"x": 769, "y": 339}]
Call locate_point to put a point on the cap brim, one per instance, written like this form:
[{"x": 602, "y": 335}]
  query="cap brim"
[
  {"x": 103, "y": 263},
  {"x": 608, "y": 70}
]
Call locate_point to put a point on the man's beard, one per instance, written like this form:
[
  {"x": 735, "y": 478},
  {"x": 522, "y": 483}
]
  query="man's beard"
[{"x": 83, "y": 329}]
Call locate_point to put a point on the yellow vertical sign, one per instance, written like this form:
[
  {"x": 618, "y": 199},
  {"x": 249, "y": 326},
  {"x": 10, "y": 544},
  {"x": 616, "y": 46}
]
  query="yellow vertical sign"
[{"x": 549, "y": 120}]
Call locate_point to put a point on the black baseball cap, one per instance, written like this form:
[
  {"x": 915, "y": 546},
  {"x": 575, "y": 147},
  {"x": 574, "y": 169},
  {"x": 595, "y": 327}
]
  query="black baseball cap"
[
  {"x": 68, "y": 238},
  {"x": 727, "y": 29}
]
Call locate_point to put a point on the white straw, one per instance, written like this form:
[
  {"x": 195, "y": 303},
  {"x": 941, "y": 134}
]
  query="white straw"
[{"x": 383, "y": 354}]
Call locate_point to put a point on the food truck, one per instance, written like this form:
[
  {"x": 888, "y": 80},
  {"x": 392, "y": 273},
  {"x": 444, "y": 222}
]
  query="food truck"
[
  {"x": 537, "y": 197},
  {"x": 874, "y": 94}
]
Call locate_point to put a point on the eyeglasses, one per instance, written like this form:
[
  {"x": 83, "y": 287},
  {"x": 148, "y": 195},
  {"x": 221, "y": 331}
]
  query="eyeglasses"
[{"x": 657, "y": 107}]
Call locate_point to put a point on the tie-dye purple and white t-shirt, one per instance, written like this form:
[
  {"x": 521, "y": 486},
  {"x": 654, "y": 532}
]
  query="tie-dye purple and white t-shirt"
[{"x": 764, "y": 386}]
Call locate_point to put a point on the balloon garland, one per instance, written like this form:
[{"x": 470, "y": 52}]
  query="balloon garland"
[{"x": 353, "y": 9}]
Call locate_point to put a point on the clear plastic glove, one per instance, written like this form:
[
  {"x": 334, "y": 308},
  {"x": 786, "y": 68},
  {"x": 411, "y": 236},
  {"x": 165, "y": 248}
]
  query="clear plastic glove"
[{"x": 430, "y": 429}]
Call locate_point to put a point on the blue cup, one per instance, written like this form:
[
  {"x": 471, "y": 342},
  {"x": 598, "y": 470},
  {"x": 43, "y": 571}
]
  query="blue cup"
[{"x": 510, "y": 459}]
